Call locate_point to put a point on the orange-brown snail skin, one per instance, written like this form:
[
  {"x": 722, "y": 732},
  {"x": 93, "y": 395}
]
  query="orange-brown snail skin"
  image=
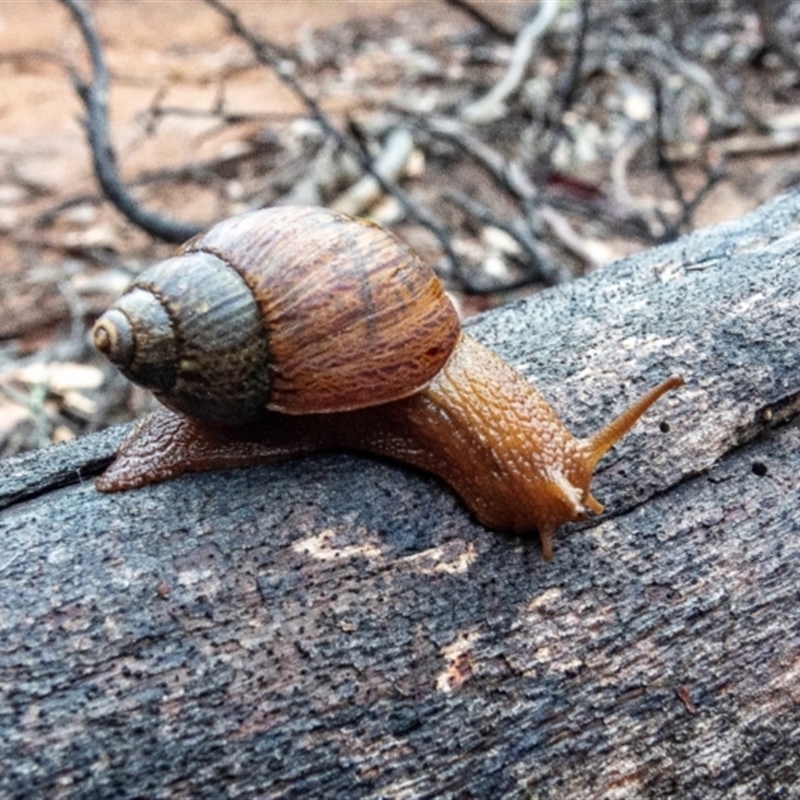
[{"x": 389, "y": 373}]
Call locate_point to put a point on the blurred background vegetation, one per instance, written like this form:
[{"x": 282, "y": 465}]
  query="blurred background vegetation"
[{"x": 514, "y": 145}]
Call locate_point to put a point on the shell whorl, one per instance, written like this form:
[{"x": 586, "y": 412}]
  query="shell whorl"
[{"x": 189, "y": 330}]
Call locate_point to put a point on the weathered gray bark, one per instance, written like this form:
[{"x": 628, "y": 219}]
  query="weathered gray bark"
[{"x": 340, "y": 627}]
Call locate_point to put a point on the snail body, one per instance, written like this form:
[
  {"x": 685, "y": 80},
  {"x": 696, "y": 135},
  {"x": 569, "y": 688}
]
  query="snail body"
[{"x": 287, "y": 331}]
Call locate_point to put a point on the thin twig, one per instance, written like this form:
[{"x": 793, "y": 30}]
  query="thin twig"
[
  {"x": 9, "y": 562},
  {"x": 571, "y": 82},
  {"x": 199, "y": 171},
  {"x": 723, "y": 108},
  {"x": 492, "y": 106},
  {"x": 664, "y": 163},
  {"x": 569, "y": 88},
  {"x": 537, "y": 270},
  {"x": 773, "y": 25},
  {"x": 479, "y": 17},
  {"x": 390, "y": 163},
  {"x": 510, "y": 176},
  {"x": 94, "y": 96},
  {"x": 673, "y": 228}
]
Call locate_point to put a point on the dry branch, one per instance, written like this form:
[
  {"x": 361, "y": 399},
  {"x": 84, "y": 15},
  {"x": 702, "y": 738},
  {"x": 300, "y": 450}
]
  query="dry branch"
[
  {"x": 94, "y": 95},
  {"x": 492, "y": 106},
  {"x": 475, "y": 13},
  {"x": 339, "y": 627}
]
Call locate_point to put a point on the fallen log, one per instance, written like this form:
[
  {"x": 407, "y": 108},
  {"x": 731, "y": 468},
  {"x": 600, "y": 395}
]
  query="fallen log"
[{"x": 341, "y": 627}]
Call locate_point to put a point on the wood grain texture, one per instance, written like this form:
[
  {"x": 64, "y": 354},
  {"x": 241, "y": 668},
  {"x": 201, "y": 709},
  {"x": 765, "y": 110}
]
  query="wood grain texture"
[{"x": 340, "y": 627}]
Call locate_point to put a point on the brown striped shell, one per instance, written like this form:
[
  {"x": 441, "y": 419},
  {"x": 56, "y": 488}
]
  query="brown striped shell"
[{"x": 299, "y": 310}]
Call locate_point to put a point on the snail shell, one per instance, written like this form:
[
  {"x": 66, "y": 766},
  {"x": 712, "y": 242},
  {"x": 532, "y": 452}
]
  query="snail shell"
[{"x": 299, "y": 310}]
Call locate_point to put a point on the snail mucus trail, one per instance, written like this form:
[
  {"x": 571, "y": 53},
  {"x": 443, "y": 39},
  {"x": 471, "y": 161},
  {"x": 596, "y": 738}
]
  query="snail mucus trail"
[{"x": 286, "y": 331}]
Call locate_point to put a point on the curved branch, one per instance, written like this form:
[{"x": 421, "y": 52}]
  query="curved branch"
[
  {"x": 94, "y": 96},
  {"x": 492, "y": 106}
]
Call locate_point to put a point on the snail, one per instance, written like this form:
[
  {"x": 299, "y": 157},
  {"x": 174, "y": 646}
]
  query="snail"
[{"x": 286, "y": 331}]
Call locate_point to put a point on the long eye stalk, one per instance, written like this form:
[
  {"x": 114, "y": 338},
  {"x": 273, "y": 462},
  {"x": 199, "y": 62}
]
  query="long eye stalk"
[{"x": 605, "y": 439}]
